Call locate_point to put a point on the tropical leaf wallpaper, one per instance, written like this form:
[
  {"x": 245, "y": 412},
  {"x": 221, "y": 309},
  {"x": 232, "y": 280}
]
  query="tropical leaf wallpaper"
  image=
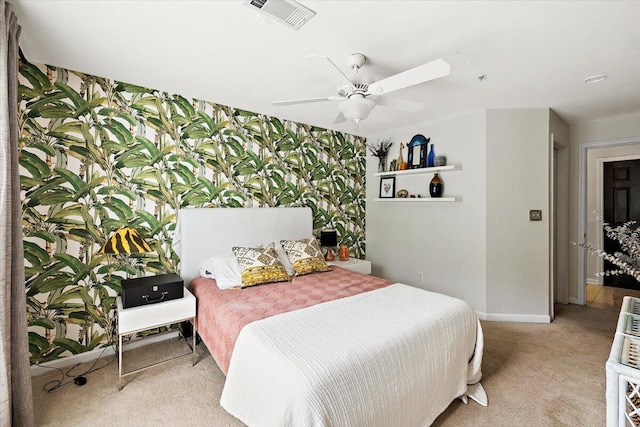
[{"x": 97, "y": 155}]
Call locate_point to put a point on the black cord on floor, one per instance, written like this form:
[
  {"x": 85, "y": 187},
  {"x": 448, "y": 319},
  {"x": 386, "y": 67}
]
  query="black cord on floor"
[{"x": 78, "y": 379}]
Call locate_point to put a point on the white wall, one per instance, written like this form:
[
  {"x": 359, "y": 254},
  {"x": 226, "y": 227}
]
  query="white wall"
[
  {"x": 446, "y": 241},
  {"x": 595, "y": 159},
  {"x": 612, "y": 128},
  {"x": 481, "y": 248},
  {"x": 559, "y": 128},
  {"x": 518, "y": 173}
]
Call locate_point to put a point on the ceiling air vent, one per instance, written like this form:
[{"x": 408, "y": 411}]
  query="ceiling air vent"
[{"x": 287, "y": 12}]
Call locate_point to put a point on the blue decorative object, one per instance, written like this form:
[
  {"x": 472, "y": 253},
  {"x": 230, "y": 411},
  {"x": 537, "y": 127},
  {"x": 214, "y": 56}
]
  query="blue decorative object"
[
  {"x": 417, "y": 152},
  {"x": 431, "y": 157}
]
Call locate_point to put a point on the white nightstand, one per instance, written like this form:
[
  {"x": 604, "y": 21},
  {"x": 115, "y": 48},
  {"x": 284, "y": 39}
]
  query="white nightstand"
[
  {"x": 138, "y": 319},
  {"x": 353, "y": 264}
]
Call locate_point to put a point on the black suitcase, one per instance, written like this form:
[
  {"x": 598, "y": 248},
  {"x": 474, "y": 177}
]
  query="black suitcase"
[{"x": 151, "y": 290}]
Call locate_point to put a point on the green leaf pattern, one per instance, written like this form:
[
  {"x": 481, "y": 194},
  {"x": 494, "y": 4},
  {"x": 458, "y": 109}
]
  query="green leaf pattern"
[{"x": 97, "y": 155}]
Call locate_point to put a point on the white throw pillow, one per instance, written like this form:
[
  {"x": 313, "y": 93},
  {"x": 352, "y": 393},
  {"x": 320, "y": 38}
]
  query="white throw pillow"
[
  {"x": 227, "y": 272},
  {"x": 207, "y": 270},
  {"x": 284, "y": 259}
]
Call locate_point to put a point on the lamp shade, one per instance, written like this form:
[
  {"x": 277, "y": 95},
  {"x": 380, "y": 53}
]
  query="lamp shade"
[
  {"x": 125, "y": 241},
  {"x": 328, "y": 238},
  {"x": 356, "y": 108}
]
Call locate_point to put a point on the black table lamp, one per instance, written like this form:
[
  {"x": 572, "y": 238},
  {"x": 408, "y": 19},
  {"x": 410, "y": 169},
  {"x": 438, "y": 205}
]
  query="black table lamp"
[{"x": 329, "y": 240}]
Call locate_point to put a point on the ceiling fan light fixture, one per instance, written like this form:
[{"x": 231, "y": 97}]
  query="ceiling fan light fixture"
[{"x": 356, "y": 108}]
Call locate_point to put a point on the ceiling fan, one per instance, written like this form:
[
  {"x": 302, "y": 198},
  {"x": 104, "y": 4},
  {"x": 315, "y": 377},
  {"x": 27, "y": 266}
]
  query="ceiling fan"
[{"x": 359, "y": 94}]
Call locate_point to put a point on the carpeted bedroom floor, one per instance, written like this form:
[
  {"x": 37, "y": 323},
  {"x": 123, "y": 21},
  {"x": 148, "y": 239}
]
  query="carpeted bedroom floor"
[{"x": 534, "y": 374}]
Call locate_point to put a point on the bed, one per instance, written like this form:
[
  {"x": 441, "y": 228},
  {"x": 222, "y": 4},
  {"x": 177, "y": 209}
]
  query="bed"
[{"x": 328, "y": 348}]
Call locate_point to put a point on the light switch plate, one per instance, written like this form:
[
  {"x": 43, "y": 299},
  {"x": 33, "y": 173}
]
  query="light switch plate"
[{"x": 535, "y": 215}]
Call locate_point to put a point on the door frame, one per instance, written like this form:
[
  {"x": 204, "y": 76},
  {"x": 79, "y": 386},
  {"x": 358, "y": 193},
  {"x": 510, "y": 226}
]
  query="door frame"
[
  {"x": 558, "y": 223},
  {"x": 600, "y": 176},
  {"x": 582, "y": 206},
  {"x": 553, "y": 215}
]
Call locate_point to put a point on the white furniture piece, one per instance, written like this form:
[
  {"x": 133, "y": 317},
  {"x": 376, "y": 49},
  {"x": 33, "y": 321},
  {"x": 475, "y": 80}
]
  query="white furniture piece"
[
  {"x": 137, "y": 319},
  {"x": 213, "y": 231},
  {"x": 353, "y": 264},
  {"x": 623, "y": 368}
]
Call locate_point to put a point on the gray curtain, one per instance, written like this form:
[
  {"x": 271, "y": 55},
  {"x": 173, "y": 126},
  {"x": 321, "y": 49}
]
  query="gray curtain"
[{"x": 16, "y": 401}]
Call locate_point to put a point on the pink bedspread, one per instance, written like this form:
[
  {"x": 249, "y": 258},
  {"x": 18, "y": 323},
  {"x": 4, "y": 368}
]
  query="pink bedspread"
[{"x": 221, "y": 314}]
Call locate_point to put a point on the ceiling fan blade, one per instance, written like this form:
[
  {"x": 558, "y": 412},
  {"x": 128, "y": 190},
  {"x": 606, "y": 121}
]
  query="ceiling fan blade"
[
  {"x": 332, "y": 72},
  {"x": 306, "y": 100},
  {"x": 339, "y": 119},
  {"x": 422, "y": 73},
  {"x": 401, "y": 104}
]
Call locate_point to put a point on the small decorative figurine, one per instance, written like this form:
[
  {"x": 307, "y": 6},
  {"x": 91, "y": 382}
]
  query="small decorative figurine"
[
  {"x": 400, "y": 163},
  {"x": 440, "y": 161},
  {"x": 343, "y": 254}
]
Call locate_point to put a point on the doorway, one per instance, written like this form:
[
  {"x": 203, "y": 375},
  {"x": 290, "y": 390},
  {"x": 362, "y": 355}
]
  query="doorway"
[
  {"x": 585, "y": 214},
  {"x": 621, "y": 204}
]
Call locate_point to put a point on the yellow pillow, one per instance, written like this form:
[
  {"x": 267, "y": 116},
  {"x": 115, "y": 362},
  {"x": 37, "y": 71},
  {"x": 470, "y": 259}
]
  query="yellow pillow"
[
  {"x": 305, "y": 256},
  {"x": 259, "y": 265}
]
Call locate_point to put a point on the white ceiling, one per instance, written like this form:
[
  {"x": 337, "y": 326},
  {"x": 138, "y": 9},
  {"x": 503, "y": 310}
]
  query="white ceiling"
[{"x": 535, "y": 54}]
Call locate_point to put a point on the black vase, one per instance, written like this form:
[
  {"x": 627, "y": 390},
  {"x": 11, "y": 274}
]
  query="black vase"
[{"x": 436, "y": 186}]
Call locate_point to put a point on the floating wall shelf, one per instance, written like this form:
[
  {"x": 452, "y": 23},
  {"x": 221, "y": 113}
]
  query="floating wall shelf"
[
  {"x": 423, "y": 171},
  {"x": 416, "y": 171},
  {"x": 417, "y": 199}
]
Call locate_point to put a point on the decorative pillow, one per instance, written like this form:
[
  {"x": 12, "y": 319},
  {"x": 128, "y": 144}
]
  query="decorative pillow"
[
  {"x": 260, "y": 265},
  {"x": 227, "y": 272},
  {"x": 305, "y": 256}
]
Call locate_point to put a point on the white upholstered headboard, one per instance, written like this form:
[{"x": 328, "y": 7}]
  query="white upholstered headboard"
[{"x": 204, "y": 232}]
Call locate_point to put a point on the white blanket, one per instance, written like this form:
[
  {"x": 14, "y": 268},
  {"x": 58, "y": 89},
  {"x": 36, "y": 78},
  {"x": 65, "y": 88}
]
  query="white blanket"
[{"x": 390, "y": 357}]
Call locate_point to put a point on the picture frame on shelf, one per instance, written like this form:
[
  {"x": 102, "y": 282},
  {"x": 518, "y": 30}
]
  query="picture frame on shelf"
[
  {"x": 417, "y": 156},
  {"x": 387, "y": 187}
]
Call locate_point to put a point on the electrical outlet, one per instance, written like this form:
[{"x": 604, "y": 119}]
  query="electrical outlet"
[{"x": 420, "y": 276}]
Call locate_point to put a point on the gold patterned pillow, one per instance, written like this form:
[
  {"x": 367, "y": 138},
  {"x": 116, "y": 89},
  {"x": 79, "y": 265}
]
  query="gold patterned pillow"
[
  {"x": 259, "y": 265},
  {"x": 305, "y": 256}
]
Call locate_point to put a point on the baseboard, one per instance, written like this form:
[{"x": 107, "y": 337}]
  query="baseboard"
[
  {"x": 481, "y": 315},
  {"x": 573, "y": 300},
  {"x": 88, "y": 356},
  {"x": 523, "y": 318}
]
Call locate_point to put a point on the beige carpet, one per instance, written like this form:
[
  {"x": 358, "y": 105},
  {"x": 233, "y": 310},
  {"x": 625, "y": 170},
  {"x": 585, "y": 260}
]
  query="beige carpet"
[{"x": 535, "y": 375}]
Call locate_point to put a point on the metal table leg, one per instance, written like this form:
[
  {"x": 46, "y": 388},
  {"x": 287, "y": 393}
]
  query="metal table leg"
[
  {"x": 194, "y": 358},
  {"x": 193, "y": 353},
  {"x": 119, "y": 362}
]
